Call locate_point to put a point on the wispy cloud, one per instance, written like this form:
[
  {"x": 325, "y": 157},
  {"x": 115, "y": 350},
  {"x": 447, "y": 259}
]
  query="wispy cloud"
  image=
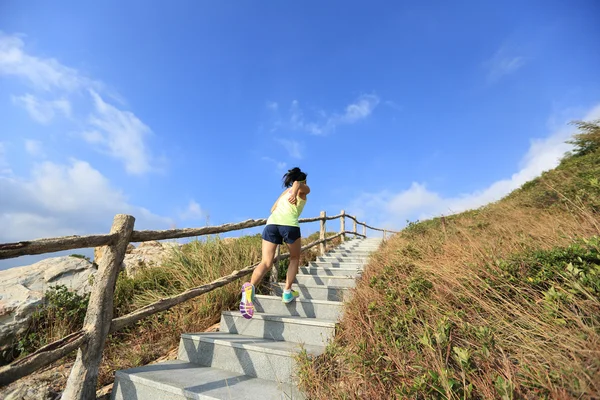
[
  {"x": 418, "y": 202},
  {"x": 123, "y": 135},
  {"x": 113, "y": 131},
  {"x": 4, "y": 166},
  {"x": 503, "y": 62},
  {"x": 325, "y": 123},
  {"x": 193, "y": 212},
  {"x": 280, "y": 165},
  {"x": 293, "y": 147},
  {"x": 42, "y": 73},
  {"x": 43, "y": 111},
  {"x": 34, "y": 148},
  {"x": 272, "y": 105}
]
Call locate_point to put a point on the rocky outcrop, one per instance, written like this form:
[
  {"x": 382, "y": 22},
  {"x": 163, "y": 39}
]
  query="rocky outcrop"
[
  {"x": 22, "y": 290},
  {"x": 147, "y": 254}
]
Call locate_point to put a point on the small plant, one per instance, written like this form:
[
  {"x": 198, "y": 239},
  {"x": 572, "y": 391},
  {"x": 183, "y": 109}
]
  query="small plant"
[{"x": 61, "y": 313}]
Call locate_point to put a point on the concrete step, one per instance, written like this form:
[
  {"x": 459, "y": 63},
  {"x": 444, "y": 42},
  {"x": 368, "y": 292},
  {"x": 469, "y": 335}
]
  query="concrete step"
[
  {"x": 279, "y": 327},
  {"x": 337, "y": 281},
  {"x": 179, "y": 380},
  {"x": 301, "y": 307},
  {"x": 317, "y": 292},
  {"x": 351, "y": 260},
  {"x": 349, "y": 272},
  {"x": 344, "y": 256},
  {"x": 361, "y": 253},
  {"x": 335, "y": 264},
  {"x": 256, "y": 357}
]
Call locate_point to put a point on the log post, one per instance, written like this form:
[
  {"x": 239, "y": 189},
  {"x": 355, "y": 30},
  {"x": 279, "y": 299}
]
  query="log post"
[
  {"x": 322, "y": 233},
  {"x": 365, "y": 230},
  {"x": 83, "y": 378},
  {"x": 354, "y": 226},
  {"x": 275, "y": 270},
  {"x": 343, "y": 225},
  {"x": 384, "y": 234}
]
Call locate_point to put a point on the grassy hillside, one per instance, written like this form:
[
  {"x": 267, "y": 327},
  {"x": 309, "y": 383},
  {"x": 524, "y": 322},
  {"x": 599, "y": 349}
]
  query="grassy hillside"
[
  {"x": 196, "y": 263},
  {"x": 500, "y": 302}
]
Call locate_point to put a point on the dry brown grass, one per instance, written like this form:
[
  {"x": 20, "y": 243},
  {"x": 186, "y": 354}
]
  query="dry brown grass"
[{"x": 466, "y": 307}]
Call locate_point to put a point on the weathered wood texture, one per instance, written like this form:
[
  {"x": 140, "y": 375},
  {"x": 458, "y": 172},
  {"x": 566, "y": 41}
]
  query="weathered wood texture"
[
  {"x": 83, "y": 378},
  {"x": 343, "y": 225},
  {"x": 42, "y": 357},
  {"x": 322, "y": 233},
  {"x": 41, "y": 246}
]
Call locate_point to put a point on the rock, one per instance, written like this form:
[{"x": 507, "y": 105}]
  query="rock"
[
  {"x": 38, "y": 392},
  {"x": 147, "y": 254},
  {"x": 22, "y": 290}
]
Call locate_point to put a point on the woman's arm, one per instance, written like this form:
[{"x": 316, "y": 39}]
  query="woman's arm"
[{"x": 298, "y": 188}]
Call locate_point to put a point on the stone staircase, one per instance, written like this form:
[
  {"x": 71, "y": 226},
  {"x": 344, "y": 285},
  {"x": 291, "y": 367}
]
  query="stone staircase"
[{"x": 254, "y": 359}]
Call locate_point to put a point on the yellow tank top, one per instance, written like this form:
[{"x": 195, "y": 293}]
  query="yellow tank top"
[{"x": 286, "y": 213}]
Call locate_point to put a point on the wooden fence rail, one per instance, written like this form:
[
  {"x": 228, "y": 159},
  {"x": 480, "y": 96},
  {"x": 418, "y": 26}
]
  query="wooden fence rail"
[{"x": 90, "y": 340}]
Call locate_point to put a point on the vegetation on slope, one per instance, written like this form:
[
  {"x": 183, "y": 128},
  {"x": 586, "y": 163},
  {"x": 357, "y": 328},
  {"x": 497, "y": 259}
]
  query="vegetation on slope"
[
  {"x": 500, "y": 302},
  {"x": 195, "y": 264}
]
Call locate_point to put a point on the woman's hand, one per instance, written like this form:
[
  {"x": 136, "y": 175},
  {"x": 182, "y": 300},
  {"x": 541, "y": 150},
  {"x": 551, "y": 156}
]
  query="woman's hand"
[{"x": 294, "y": 193}]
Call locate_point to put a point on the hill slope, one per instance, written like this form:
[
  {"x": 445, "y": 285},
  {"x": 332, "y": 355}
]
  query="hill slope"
[{"x": 499, "y": 302}]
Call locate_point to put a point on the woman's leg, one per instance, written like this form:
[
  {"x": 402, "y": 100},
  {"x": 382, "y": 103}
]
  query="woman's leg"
[
  {"x": 294, "y": 262},
  {"x": 268, "y": 253}
]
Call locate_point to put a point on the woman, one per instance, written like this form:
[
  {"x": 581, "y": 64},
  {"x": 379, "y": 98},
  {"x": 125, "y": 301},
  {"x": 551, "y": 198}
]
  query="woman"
[{"x": 282, "y": 226}]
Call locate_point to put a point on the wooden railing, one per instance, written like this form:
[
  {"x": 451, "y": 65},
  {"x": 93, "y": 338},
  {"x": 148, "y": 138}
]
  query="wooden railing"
[{"x": 99, "y": 322}]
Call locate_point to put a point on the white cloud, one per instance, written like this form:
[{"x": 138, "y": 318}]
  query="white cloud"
[
  {"x": 42, "y": 73},
  {"x": 272, "y": 105},
  {"x": 280, "y": 165},
  {"x": 293, "y": 147},
  {"x": 118, "y": 133},
  {"x": 193, "y": 211},
  {"x": 34, "y": 148},
  {"x": 417, "y": 202},
  {"x": 123, "y": 135},
  {"x": 327, "y": 123},
  {"x": 58, "y": 200},
  {"x": 504, "y": 62},
  {"x": 4, "y": 166},
  {"x": 42, "y": 111}
]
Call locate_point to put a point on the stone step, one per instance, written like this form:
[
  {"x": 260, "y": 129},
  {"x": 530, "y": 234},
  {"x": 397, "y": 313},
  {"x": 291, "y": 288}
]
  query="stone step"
[
  {"x": 316, "y": 292},
  {"x": 349, "y": 272},
  {"x": 309, "y": 308},
  {"x": 335, "y": 264},
  {"x": 361, "y": 253},
  {"x": 278, "y": 327},
  {"x": 336, "y": 281},
  {"x": 351, "y": 260},
  {"x": 343, "y": 256},
  {"x": 180, "y": 380},
  {"x": 256, "y": 357}
]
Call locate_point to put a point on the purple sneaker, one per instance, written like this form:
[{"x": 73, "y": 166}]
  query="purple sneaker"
[{"x": 246, "y": 306}]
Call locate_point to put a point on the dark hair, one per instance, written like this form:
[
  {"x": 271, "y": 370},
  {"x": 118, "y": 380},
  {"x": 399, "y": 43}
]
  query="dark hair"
[{"x": 293, "y": 175}]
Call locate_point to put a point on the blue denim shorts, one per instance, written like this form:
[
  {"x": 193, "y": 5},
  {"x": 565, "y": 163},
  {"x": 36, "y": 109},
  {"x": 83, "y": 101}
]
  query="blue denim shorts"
[{"x": 280, "y": 233}]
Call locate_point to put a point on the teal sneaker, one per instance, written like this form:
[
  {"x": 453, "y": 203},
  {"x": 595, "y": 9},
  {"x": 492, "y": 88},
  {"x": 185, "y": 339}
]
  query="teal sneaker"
[{"x": 289, "y": 297}]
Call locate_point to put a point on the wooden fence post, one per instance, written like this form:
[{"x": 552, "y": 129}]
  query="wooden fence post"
[
  {"x": 365, "y": 230},
  {"x": 384, "y": 234},
  {"x": 83, "y": 378},
  {"x": 343, "y": 225},
  {"x": 354, "y": 228},
  {"x": 275, "y": 270},
  {"x": 322, "y": 233}
]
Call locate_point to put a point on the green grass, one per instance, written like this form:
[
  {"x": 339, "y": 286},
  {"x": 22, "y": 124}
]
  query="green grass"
[{"x": 499, "y": 302}]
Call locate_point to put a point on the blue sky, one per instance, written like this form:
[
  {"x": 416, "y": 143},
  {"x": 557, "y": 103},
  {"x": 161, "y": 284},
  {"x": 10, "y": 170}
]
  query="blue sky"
[{"x": 188, "y": 113}]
